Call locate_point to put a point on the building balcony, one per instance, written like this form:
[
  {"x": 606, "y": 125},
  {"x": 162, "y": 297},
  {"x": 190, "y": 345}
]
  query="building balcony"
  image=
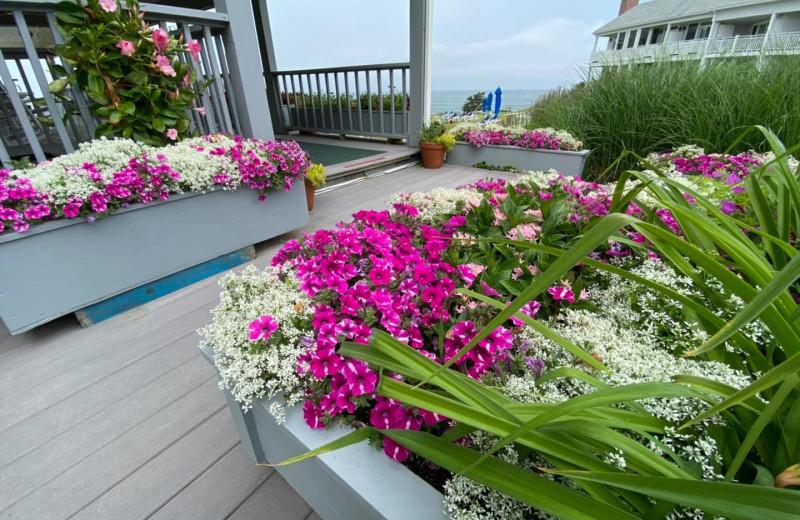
[{"x": 734, "y": 46}]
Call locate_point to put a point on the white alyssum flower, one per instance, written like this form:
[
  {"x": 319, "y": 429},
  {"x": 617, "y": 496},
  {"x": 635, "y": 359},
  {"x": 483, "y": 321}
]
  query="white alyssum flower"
[{"x": 270, "y": 372}]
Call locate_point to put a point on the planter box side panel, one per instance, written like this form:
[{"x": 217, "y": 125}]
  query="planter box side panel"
[
  {"x": 50, "y": 274},
  {"x": 355, "y": 482},
  {"x": 568, "y": 163}
]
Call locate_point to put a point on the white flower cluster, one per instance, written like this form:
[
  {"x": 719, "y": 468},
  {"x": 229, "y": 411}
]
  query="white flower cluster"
[
  {"x": 437, "y": 202},
  {"x": 60, "y": 176},
  {"x": 248, "y": 372}
]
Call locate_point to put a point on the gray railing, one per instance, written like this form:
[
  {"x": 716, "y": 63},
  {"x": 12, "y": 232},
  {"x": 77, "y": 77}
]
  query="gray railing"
[
  {"x": 369, "y": 100},
  {"x": 34, "y": 122}
]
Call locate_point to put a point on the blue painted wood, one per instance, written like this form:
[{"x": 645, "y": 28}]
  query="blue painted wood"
[{"x": 126, "y": 301}]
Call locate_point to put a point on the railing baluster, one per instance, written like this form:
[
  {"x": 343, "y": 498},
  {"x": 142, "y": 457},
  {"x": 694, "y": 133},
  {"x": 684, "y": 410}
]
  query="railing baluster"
[
  {"x": 38, "y": 71},
  {"x": 5, "y": 159},
  {"x": 391, "y": 98},
  {"x": 311, "y": 98},
  {"x": 328, "y": 96},
  {"x": 19, "y": 110},
  {"x": 29, "y": 91},
  {"x": 221, "y": 89},
  {"x": 338, "y": 101},
  {"x": 358, "y": 105},
  {"x": 380, "y": 98},
  {"x": 347, "y": 94},
  {"x": 200, "y": 78},
  {"x": 369, "y": 103},
  {"x": 288, "y": 103},
  {"x": 319, "y": 97},
  {"x": 205, "y": 59},
  {"x": 223, "y": 61},
  {"x": 303, "y": 98},
  {"x": 405, "y": 104},
  {"x": 296, "y": 104}
]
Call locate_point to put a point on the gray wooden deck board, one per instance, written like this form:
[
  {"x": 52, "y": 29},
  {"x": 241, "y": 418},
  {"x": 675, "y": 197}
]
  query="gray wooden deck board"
[{"x": 124, "y": 419}]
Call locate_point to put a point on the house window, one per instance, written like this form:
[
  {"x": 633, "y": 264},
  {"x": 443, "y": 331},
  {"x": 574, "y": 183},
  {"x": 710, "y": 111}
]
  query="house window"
[
  {"x": 643, "y": 37},
  {"x": 703, "y": 32},
  {"x": 620, "y": 40},
  {"x": 691, "y": 32},
  {"x": 655, "y": 34},
  {"x": 631, "y": 39},
  {"x": 759, "y": 28}
]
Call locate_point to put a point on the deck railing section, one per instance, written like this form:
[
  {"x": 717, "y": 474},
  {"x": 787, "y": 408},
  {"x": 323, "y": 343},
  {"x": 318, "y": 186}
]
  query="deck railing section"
[
  {"x": 34, "y": 122},
  {"x": 369, "y": 100}
]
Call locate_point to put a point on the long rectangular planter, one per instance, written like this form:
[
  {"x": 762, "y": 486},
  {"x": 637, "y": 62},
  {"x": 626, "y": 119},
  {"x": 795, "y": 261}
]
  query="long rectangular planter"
[
  {"x": 64, "y": 265},
  {"x": 328, "y": 120},
  {"x": 525, "y": 159},
  {"x": 357, "y": 482}
]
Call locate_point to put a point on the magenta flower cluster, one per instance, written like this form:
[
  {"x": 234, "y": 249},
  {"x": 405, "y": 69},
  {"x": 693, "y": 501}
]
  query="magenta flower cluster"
[
  {"x": 534, "y": 139},
  {"x": 262, "y": 165}
]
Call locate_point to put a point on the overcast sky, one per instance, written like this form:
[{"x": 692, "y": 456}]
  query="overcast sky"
[{"x": 513, "y": 43}]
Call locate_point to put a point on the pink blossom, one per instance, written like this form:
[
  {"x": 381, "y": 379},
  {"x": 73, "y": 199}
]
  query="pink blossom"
[
  {"x": 160, "y": 40},
  {"x": 194, "y": 49},
  {"x": 126, "y": 48},
  {"x": 360, "y": 379},
  {"x": 325, "y": 363},
  {"x": 172, "y": 134},
  {"x": 200, "y": 110},
  {"x": 562, "y": 293},
  {"x": 262, "y": 328},
  {"x": 313, "y": 415},
  {"x": 165, "y": 66},
  {"x": 108, "y": 6},
  {"x": 394, "y": 450}
]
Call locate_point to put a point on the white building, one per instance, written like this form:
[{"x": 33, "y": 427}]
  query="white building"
[{"x": 697, "y": 29}]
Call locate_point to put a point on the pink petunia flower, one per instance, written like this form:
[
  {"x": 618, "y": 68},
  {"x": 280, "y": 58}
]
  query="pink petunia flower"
[
  {"x": 126, "y": 48},
  {"x": 313, "y": 415},
  {"x": 394, "y": 450},
  {"x": 562, "y": 293},
  {"x": 108, "y": 6},
  {"x": 172, "y": 134},
  {"x": 262, "y": 328},
  {"x": 360, "y": 379},
  {"x": 194, "y": 49}
]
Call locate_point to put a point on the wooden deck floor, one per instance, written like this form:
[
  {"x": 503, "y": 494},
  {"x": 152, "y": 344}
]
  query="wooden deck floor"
[{"x": 125, "y": 419}]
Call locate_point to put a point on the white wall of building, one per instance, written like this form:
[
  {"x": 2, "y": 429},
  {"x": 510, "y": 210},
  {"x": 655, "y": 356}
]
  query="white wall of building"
[{"x": 789, "y": 22}]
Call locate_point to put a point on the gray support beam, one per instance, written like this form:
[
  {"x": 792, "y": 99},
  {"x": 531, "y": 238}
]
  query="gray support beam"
[
  {"x": 420, "y": 48},
  {"x": 247, "y": 81},
  {"x": 269, "y": 64}
]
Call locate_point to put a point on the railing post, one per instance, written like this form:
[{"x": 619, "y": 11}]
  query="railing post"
[
  {"x": 421, "y": 45},
  {"x": 269, "y": 64},
  {"x": 247, "y": 80}
]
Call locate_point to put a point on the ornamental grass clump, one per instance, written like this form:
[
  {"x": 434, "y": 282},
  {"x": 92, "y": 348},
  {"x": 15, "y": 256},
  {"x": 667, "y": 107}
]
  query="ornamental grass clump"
[
  {"x": 105, "y": 175},
  {"x": 133, "y": 72}
]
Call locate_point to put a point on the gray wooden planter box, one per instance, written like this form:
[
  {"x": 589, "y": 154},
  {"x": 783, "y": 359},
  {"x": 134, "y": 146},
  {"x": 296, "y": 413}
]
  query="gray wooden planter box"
[
  {"x": 357, "y": 482},
  {"x": 328, "y": 120},
  {"x": 525, "y": 159},
  {"x": 64, "y": 265}
]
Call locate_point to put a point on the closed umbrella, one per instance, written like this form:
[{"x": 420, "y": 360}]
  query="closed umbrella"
[
  {"x": 489, "y": 102},
  {"x": 497, "y": 101}
]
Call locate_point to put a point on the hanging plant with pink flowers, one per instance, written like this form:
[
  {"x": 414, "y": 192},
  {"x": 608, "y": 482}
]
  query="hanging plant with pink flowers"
[{"x": 132, "y": 71}]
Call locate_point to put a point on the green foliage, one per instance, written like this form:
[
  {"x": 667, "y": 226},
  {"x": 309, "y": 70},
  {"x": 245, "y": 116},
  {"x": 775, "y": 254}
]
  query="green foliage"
[
  {"x": 428, "y": 133},
  {"x": 474, "y": 102},
  {"x": 482, "y": 165},
  {"x": 133, "y": 96},
  {"x": 351, "y": 102},
  {"x": 316, "y": 175},
  {"x": 655, "y": 107}
]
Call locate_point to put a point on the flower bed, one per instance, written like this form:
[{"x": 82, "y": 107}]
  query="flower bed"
[
  {"x": 408, "y": 272},
  {"x": 525, "y": 150},
  {"x": 118, "y": 215},
  {"x": 105, "y": 175}
]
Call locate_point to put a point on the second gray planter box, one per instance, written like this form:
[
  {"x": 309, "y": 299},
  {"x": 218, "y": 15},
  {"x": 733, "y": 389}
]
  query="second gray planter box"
[
  {"x": 357, "y": 482},
  {"x": 525, "y": 159}
]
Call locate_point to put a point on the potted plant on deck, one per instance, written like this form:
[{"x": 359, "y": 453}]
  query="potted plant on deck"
[
  {"x": 315, "y": 177},
  {"x": 434, "y": 143}
]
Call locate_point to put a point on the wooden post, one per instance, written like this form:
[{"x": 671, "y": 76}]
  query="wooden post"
[
  {"x": 420, "y": 46},
  {"x": 269, "y": 64},
  {"x": 247, "y": 79}
]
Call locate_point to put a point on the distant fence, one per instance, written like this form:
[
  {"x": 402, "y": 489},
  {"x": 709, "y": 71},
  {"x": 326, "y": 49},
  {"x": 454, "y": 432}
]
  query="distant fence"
[
  {"x": 369, "y": 100},
  {"x": 34, "y": 122}
]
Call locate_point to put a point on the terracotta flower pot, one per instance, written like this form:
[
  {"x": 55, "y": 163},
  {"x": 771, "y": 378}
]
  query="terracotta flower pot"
[
  {"x": 432, "y": 154},
  {"x": 310, "y": 191}
]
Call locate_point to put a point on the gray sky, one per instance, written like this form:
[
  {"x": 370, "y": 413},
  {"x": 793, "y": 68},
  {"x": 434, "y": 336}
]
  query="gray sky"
[{"x": 513, "y": 43}]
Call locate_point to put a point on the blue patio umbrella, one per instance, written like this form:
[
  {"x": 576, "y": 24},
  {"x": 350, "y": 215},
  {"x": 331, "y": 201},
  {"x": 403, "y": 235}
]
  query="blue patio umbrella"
[
  {"x": 497, "y": 101},
  {"x": 485, "y": 105},
  {"x": 488, "y": 103}
]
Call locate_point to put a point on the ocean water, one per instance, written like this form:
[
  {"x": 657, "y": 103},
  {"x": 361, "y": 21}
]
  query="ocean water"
[{"x": 453, "y": 100}]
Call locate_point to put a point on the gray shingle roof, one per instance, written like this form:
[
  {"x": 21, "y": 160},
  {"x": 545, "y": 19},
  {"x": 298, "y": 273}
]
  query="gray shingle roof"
[{"x": 662, "y": 11}]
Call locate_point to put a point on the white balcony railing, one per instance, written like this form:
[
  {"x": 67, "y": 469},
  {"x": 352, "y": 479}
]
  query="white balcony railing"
[{"x": 779, "y": 43}]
